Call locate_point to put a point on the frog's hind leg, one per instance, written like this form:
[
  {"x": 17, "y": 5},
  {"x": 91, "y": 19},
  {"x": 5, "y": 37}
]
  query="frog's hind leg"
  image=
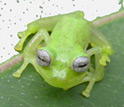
[
  {"x": 95, "y": 74},
  {"x": 42, "y": 23},
  {"x": 98, "y": 39},
  {"x": 29, "y": 52}
]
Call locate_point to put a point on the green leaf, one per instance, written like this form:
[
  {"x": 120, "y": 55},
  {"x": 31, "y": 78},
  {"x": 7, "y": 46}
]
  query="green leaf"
[{"x": 32, "y": 91}]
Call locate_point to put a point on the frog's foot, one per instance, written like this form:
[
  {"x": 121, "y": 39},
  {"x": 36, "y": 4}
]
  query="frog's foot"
[
  {"x": 20, "y": 70},
  {"x": 17, "y": 74},
  {"x": 19, "y": 45},
  {"x": 87, "y": 91},
  {"x": 104, "y": 59},
  {"x": 93, "y": 76},
  {"x": 23, "y": 36},
  {"x": 106, "y": 51}
]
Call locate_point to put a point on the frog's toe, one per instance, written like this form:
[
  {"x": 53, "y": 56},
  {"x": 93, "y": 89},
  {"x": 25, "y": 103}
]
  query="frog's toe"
[
  {"x": 16, "y": 74},
  {"x": 20, "y": 34},
  {"x": 86, "y": 93},
  {"x": 18, "y": 47},
  {"x": 103, "y": 62},
  {"x": 104, "y": 59}
]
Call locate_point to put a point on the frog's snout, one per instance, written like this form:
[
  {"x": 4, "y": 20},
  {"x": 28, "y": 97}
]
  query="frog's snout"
[
  {"x": 59, "y": 74},
  {"x": 59, "y": 78}
]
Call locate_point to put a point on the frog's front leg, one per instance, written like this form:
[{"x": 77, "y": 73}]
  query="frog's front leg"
[
  {"x": 29, "y": 52},
  {"x": 94, "y": 74}
]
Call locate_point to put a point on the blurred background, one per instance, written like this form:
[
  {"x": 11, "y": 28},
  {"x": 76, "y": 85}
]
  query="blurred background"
[{"x": 16, "y": 14}]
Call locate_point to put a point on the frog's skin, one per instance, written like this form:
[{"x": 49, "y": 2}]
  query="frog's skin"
[{"x": 69, "y": 38}]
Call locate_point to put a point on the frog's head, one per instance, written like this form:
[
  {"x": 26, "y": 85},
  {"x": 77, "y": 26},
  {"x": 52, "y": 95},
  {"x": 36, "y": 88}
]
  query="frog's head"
[{"x": 62, "y": 70}]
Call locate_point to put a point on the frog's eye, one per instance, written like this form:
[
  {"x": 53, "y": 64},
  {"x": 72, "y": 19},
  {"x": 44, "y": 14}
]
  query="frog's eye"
[
  {"x": 43, "y": 58},
  {"x": 81, "y": 64}
]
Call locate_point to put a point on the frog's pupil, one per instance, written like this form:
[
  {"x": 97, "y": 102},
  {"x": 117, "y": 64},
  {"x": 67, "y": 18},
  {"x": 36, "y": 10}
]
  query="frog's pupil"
[
  {"x": 82, "y": 65},
  {"x": 41, "y": 58}
]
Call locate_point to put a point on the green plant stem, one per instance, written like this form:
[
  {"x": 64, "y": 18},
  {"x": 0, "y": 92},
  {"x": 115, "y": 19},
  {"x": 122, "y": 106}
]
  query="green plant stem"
[
  {"x": 109, "y": 18},
  {"x": 11, "y": 62}
]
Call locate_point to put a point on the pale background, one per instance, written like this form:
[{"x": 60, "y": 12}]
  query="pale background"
[{"x": 16, "y": 14}]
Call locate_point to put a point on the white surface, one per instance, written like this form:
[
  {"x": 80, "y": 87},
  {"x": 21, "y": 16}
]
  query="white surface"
[{"x": 14, "y": 16}]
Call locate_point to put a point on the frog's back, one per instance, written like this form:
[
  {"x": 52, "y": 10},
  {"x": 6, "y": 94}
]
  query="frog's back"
[
  {"x": 71, "y": 29},
  {"x": 70, "y": 32}
]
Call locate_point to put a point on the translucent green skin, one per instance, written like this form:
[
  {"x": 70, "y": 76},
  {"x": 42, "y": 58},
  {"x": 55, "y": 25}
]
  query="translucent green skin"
[{"x": 70, "y": 36}]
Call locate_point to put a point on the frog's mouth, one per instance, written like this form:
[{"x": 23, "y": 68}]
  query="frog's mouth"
[
  {"x": 64, "y": 81},
  {"x": 59, "y": 83}
]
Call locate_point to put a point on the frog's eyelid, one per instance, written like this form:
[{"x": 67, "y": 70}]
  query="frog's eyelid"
[
  {"x": 81, "y": 64},
  {"x": 43, "y": 58}
]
